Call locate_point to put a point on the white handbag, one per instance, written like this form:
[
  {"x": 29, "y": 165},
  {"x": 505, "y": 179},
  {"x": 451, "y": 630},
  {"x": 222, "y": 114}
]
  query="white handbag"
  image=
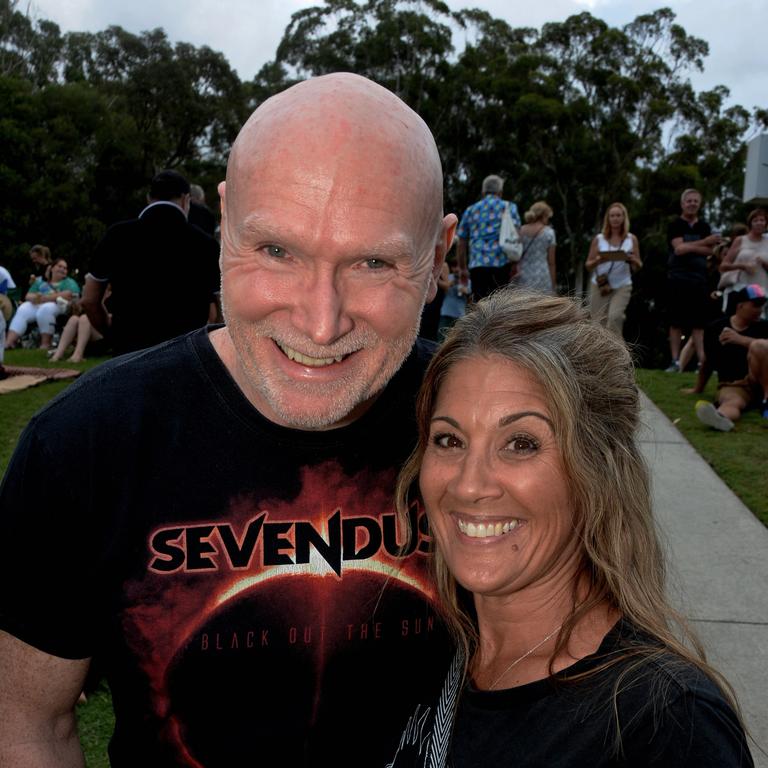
[{"x": 509, "y": 239}]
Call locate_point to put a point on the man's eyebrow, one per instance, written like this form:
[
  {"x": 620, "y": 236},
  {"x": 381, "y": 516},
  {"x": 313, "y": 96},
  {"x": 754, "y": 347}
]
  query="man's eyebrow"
[
  {"x": 394, "y": 247},
  {"x": 254, "y": 223}
]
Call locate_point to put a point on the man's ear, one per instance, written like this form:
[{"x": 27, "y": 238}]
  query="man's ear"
[
  {"x": 222, "y": 191},
  {"x": 442, "y": 246}
]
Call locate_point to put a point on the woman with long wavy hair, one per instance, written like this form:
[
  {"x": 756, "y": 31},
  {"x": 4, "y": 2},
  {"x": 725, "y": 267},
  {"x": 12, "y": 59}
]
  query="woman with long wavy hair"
[{"x": 546, "y": 556}]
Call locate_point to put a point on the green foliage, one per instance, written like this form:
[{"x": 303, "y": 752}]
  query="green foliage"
[
  {"x": 579, "y": 113},
  {"x": 87, "y": 119}
]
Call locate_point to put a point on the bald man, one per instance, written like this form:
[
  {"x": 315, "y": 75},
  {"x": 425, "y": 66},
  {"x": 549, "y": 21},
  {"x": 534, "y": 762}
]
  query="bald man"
[{"x": 220, "y": 533}]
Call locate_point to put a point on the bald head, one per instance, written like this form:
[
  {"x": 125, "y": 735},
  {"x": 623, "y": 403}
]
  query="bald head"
[{"x": 341, "y": 129}]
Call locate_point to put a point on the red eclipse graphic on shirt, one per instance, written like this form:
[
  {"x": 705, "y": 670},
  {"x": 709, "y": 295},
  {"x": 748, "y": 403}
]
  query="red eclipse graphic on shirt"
[{"x": 276, "y": 595}]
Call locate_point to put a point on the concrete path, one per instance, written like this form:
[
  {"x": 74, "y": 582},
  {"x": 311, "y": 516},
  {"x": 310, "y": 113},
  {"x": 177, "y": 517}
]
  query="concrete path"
[{"x": 718, "y": 554}]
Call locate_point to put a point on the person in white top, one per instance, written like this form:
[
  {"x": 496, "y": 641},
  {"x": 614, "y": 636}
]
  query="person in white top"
[
  {"x": 613, "y": 256},
  {"x": 6, "y": 310},
  {"x": 747, "y": 259}
]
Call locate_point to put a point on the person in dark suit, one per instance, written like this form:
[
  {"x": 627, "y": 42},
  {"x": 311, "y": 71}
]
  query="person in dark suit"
[
  {"x": 163, "y": 272},
  {"x": 199, "y": 213}
]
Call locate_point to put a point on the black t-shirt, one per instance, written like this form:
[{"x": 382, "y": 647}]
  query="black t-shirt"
[
  {"x": 730, "y": 360},
  {"x": 691, "y": 267},
  {"x": 240, "y": 582},
  {"x": 670, "y": 715}
]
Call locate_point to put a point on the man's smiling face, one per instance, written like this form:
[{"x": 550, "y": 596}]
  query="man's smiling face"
[{"x": 330, "y": 242}]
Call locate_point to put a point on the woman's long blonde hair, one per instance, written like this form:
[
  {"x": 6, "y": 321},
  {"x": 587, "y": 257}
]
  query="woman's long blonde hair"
[{"x": 607, "y": 223}]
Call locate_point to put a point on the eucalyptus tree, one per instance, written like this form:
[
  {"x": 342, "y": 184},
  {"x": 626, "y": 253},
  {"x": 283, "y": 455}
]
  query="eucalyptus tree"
[
  {"x": 90, "y": 117},
  {"x": 402, "y": 44},
  {"x": 587, "y": 105},
  {"x": 29, "y": 48}
]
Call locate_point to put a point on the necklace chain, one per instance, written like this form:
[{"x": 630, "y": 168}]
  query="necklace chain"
[{"x": 524, "y": 656}]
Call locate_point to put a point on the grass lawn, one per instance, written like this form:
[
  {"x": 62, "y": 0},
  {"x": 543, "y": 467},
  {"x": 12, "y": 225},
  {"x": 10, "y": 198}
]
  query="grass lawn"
[
  {"x": 17, "y": 408},
  {"x": 95, "y": 722},
  {"x": 739, "y": 457}
]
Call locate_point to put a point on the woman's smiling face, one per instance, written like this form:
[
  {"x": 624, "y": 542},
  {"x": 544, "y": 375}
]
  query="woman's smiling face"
[
  {"x": 493, "y": 482},
  {"x": 59, "y": 270}
]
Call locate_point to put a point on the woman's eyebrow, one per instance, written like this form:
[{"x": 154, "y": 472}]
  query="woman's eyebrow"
[
  {"x": 512, "y": 417},
  {"x": 503, "y": 421},
  {"x": 447, "y": 419}
]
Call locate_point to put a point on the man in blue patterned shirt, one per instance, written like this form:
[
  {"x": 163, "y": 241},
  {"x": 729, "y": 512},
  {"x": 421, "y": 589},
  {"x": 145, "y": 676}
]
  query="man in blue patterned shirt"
[{"x": 478, "y": 233}]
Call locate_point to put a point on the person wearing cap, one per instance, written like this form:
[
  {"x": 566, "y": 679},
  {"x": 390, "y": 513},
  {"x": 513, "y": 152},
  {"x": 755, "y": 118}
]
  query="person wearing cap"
[
  {"x": 163, "y": 272},
  {"x": 737, "y": 348}
]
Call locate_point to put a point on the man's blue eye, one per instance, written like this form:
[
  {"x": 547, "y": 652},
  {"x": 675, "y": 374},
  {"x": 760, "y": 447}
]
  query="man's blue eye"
[
  {"x": 376, "y": 264},
  {"x": 276, "y": 251}
]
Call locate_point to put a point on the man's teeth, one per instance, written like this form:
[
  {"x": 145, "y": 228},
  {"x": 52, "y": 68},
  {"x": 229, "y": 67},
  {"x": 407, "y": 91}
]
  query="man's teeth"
[
  {"x": 486, "y": 530},
  {"x": 314, "y": 362}
]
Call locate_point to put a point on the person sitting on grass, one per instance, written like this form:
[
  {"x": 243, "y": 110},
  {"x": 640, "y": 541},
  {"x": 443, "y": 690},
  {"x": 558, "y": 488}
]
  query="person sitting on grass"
[
  {"x": 737, "y": 348},
  {"x": 79, "y": 331},
  {"x": 42, "y": 305}
]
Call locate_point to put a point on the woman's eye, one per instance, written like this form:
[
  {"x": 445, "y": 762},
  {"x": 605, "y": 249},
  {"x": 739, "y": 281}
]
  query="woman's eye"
[
  {"x": 275, "y": 251},
  {"x": 446, "y": 440},
  {"x": 521, "y": 444}
]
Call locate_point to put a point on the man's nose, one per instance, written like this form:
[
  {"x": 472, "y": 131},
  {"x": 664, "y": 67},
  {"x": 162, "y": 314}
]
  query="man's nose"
[{"x": 320, "y": 308}]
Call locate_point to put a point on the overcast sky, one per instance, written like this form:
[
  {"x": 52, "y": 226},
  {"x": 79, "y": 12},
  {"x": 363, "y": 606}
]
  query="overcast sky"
[{"x": 247, "y": 32}]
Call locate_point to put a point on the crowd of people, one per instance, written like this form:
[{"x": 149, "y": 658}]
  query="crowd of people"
[
  {"x": 709, "y": 276},
  {"x": 255, "y": 553},
  {"x": 717, "y": 293},
  {"x": 162, "y": 242}
]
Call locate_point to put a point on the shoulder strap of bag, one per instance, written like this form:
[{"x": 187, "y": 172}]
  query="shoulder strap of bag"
[{"x": 530, "y": 242}]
